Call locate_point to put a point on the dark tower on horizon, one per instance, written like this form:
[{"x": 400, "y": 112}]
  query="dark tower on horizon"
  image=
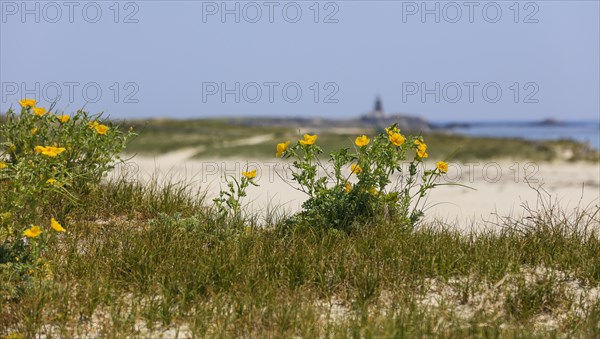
[
  {"x": 378, "y": 105},
  {"x": 377, "y": 112}
]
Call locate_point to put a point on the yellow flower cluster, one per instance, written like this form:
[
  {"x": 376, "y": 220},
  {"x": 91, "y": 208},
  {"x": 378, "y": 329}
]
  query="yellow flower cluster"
[
  {"x": 421, "y": 149},
  {"x": 362, "y": 141},
  {"x": 30, "y": 103},
  {"x": 309, "y": 139},
  {"x": 3, "y": 165},
  {"x": 39, "y": 111},
  {"x": 27, "y": 103},
  {"x": 100, "y": 129},
  {"x": 442, "y": 166},
  {"x": 391, "y": 131},
  {"x": 50, "y": 151},
  {"x": 250, "y": 174},
  {"x": 34, "y": 231},
  {"x": 56, "y": 226},
  {"x": 395, "y": 137},
  {"x": 281, "y": 148},
  {"x": 64, "y": 118},
  {"x": 355, "y": 168}
]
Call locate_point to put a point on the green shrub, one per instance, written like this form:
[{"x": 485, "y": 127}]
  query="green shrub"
[
  {"x": 356, "y": 185},
  {"x": 47, "y": 163}
]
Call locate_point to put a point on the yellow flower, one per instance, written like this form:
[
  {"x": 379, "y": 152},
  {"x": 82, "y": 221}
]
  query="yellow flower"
[
  {"x": 34, "y": 131},
  {"x": 308, "y": 139},
  {"x": 51, "y": 181},
  {"x": 250, "y": 175},
  {"x": 397, "y": 139},
  {"x": 32, "y": 232},
  {"x": 355, "y": 168},
  {"x": 63, "y": 118},
  {"x": 93, "y": 124},
  {"x": 392, "y": 131},
  {"x": 373, "y": 191},
  {"x": 362, "y": 141},
  {"x": 281, "y": 148},
  {"x": 348, "y": 187},
  {"x": 50, "y": 151},
  {"x": 101, "y": 129},
  {"x": 39, "y": 111},
  {"x": 442, "y": 166},
  {"x": 56, "y": 226},
  {"x": 3, "y": 165},
  {"x": 421, "y": 149},
  {"x": 27, "y": 102},
  {"x": 54, "y": 151}
]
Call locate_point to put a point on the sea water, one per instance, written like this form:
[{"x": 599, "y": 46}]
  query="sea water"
[{"x": 584, "y": 132}]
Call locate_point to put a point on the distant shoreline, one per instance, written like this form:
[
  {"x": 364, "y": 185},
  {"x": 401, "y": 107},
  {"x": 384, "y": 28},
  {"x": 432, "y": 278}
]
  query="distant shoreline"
[
  {"x": 587, "y": 133},
  {"x": 509, "y": 123},
  {"x": 584, "y": 132}
]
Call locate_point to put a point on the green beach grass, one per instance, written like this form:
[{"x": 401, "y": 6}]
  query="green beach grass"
[{"x": 147, "y": 260}]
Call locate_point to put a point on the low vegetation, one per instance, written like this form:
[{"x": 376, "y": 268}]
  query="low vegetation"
[
  {"x": 218, "y": 138},
  {"x": 116, "y": 258},
  {"x": 149, "y": 261}
]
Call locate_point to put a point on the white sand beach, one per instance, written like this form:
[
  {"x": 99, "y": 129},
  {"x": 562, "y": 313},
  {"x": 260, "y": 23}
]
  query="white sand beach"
[{"x": 497, "y": 188}]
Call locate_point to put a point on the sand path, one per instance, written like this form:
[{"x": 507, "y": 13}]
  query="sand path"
[{"x": 497, "y": 186}]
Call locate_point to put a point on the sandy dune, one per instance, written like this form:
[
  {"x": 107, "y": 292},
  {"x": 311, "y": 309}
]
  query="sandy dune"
[{"x": 497, "y": 186}]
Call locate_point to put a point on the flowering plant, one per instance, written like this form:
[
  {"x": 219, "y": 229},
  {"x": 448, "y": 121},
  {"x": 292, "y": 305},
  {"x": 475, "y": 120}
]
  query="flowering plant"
[
  {"x": 48, "y": 161},
  {"x": 229, "y": 201},
  {"x": 357, "y": 184}
]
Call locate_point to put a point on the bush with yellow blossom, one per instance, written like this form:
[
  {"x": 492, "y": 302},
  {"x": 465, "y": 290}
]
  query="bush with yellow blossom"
[
  {"x": 48, "y": 161},
  {"x": 356, "y": 184}
]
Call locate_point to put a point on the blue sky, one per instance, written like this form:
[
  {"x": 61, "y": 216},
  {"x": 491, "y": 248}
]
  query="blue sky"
[{"x": 178, "y": 58}]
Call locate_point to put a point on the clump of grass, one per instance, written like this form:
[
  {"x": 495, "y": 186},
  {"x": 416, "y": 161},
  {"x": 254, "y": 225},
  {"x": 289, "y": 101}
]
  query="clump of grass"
[
  {"x": 142, "y": 199},
  {"x": 537, "y": 297}
]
